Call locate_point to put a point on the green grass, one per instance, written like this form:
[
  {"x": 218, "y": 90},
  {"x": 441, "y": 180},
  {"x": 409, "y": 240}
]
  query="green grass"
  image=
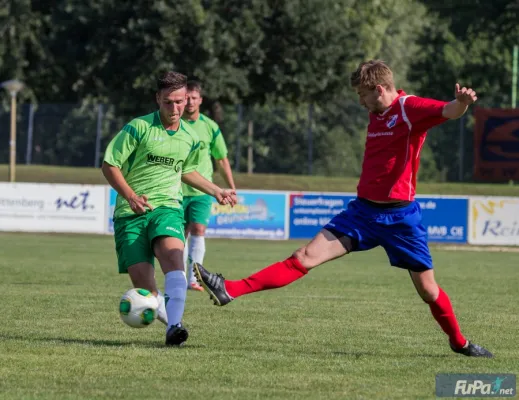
[
  {"x": 353, "y": 329},
  {"x": 53, "y": 174}
]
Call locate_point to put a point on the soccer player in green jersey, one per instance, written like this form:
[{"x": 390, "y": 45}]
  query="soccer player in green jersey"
[
  {"x": 197, "y": 204},
  {"x": 145, "y": 163}
]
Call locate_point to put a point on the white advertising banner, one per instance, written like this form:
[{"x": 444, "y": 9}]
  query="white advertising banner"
[
  {"x": 494, "y": 221},
  {"x": 33, "y": 207}
]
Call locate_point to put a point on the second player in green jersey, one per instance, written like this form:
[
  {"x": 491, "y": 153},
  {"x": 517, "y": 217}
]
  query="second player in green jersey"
[{"x": 197, "y": 205}]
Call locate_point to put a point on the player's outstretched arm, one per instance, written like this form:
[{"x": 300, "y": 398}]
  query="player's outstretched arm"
[
  {"x": 223, "y": 196},
  {"x": 464, "y": 97},
  {"x": 226, "y": 172},
  {"x": 116, "y": 179}
]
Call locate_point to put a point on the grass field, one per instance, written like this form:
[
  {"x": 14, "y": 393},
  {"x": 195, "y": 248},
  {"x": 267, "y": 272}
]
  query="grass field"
[
  {"x": 354, "y": 329},
  {"x": 53, "y": 174}
]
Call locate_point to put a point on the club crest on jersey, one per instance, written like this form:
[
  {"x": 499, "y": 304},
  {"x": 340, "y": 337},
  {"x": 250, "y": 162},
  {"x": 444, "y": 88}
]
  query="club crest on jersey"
[{"x": 392, "y": 121}]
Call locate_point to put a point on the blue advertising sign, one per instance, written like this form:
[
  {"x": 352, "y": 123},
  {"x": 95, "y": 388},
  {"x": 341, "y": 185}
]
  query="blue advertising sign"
[
  {"x": 258, "y": 215},
  {"x": 310, "y": 212},
  {"x": 446, "y": 219}
]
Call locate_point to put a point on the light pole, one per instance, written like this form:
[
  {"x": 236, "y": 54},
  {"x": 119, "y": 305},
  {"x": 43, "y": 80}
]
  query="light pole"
[{"x": 13, "y": 87}]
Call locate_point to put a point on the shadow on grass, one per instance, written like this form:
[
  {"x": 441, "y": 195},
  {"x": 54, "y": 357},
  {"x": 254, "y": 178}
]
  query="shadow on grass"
[
  {"x": 96, "y": 342},
  {"x": 159, "y": 345},
  {"x": 360, "y": 354}
]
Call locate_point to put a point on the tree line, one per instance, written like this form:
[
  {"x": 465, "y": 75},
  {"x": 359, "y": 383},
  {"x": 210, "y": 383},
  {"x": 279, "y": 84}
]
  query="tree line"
[{"x": 284, "y": 64}]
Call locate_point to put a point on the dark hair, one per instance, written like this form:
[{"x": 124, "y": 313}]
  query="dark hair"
[
  {"x": 171, "y": 80},
  {"x": 194, "y": 85}
]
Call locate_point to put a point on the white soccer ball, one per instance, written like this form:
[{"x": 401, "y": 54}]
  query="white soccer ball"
[{"x": 138, "y": 308}]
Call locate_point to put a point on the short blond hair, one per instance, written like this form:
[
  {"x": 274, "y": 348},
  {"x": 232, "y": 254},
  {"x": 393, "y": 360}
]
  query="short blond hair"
[{"x": 371, "y": 73}]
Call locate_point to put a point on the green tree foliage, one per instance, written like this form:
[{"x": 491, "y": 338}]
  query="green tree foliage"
[
  {"x": 21, "y": 47},
  {"x": 277, "y": 58},
  {"x": 471, "y": 44}
]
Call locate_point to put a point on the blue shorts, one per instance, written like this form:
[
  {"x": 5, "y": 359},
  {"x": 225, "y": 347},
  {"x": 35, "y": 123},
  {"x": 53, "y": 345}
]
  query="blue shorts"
[{"x": 398, "y": 230}]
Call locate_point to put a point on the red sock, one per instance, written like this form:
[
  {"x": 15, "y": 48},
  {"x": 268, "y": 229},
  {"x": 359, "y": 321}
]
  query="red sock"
[
  {"x": 443, "y": 313},
  {"x": 274, "y": 276}
]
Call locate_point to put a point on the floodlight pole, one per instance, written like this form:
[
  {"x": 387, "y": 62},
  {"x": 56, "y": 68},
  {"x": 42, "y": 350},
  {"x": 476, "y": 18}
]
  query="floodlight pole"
[
  {"x": 514, "y": 75},
  {"x": 13, "y": 87},
  {"x": 12, "y": 141}
]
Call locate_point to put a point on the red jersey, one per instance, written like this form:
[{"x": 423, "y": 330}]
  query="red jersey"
[{"x": 392, "y": 154}]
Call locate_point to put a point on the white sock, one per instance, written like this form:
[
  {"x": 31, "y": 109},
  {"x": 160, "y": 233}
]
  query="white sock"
[
  {"x": 196, "y": 253},
  {"x": 161, "y": 312},
  {"x": 187, "y": 261},
  {"x": 175, "y": 289}
]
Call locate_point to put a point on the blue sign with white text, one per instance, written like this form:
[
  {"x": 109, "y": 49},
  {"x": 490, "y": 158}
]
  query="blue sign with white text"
[
  {"x": 310, "y": 212},
  {"x": 258, "y": 215},
  {"x": 445, "y": 219}
]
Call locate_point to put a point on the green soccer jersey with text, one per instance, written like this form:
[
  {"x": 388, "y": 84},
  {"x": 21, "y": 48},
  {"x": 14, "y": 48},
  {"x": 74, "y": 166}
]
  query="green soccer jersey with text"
[
  {"x": 212, "y": 143},
  {"x": 152, "y": 160}
]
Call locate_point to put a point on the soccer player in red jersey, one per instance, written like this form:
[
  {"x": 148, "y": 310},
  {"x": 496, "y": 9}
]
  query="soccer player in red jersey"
[{"x": 384, "y": 212}]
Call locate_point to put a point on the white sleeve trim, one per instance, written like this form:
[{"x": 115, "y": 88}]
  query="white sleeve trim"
[{"x": 404, "y": 114}]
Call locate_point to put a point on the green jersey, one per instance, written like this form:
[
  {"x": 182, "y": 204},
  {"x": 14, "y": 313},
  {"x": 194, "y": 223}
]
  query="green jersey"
[
  {"x": 152, "y": 160},
  {"x": 212, "y": 143}
]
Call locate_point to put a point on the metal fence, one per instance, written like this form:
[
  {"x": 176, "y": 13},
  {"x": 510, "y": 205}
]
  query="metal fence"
[
  {"x": 55, "y": 134},
  {"x": 305, "y": 140}
]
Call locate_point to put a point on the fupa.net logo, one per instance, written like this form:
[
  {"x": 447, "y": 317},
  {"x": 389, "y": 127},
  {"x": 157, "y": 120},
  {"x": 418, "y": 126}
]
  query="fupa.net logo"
[{"x": 476, "y": 385}]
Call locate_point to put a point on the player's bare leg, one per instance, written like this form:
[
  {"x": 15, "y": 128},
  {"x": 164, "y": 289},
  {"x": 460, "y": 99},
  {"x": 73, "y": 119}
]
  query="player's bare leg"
[
  {"x": 324, "y": 247},
  {"x": 443, "y": 313},
  {"x": 196, "y": 252},
  {"x": 142, "y": 276},
  {"x": 169, "y": 251}
]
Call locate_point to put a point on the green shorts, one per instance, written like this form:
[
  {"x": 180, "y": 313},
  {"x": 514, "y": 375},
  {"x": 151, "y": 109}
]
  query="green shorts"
[
  {"x": 197, "y": 209},
  {"x": 134, "y": 235}
]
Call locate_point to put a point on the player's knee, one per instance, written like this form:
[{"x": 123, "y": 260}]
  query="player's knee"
[
  {"x": 305, "y": 258},
  {"x": 197, "y": 230},
  {"x": 425, "y": 285},
  {"x": 428, "y": 293}
]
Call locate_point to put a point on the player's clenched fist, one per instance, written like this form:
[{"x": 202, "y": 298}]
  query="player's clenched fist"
[
  {"x": 138, "y": 204},
  {"x": 227, "y": 196}
]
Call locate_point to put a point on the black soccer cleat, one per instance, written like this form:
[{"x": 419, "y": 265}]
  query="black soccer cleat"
[
  {"x": 473, "y": 350},
  {"x": 176, "y": 335},
  {"x": 213, "y": 284}
]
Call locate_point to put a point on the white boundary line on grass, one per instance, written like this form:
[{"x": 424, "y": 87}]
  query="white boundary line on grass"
[{"x": 493, "y": 249}]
